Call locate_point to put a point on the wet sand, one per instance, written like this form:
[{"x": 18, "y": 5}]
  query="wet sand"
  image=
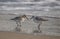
[{"x": 12, "y": 35}]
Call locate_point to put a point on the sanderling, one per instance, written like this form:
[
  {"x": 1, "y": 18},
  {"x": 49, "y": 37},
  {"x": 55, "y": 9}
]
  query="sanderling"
[
  {"x": 38, "y": 20},
  {"x": 19, "y": 20}
]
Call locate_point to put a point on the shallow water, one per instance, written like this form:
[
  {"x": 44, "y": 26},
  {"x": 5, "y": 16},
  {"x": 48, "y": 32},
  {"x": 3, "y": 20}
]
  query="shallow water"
[
  {"x": 9, "y": 10},
  {"x": 51, "y": 27}
]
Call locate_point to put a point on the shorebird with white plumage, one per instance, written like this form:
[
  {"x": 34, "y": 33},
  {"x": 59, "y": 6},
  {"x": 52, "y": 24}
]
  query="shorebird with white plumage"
[
  {"x": 19, "y": 20},
  {"x": 39, "y": 20}
]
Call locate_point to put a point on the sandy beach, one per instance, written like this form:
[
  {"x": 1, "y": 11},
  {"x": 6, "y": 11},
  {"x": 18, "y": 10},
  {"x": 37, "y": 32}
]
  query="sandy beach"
[{"x": 12, "y": 35}]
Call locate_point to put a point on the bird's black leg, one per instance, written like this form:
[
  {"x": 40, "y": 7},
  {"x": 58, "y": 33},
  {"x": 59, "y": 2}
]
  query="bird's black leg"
[
  {"x": 20, "y": 23},
  {"x": 17, "y": 23},
  {"x": 39, "y": 30},
  {"x": 18, "y": 26}
]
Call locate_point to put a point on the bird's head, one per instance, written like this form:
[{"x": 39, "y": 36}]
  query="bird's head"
[{"x": 24, "y": 16}]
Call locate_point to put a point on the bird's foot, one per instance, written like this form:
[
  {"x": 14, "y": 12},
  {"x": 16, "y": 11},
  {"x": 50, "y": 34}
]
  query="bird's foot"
[
  {"x": 36, "y": 31},
  {"x": 18, "y": 29}
]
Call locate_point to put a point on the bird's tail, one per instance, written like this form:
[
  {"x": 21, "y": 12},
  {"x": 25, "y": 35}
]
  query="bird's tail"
[{"x": 12, "y": 19}]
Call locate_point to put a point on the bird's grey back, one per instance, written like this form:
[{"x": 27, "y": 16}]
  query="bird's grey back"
[{"x": 16, "y": 18}]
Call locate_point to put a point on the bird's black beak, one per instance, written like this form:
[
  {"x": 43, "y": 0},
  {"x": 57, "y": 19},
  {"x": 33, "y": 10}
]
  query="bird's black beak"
[{"x": 32, "y": 17}]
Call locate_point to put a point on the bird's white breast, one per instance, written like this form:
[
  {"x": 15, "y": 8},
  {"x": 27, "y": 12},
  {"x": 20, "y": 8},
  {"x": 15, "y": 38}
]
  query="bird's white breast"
[{"x": 23, "y": 19}]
